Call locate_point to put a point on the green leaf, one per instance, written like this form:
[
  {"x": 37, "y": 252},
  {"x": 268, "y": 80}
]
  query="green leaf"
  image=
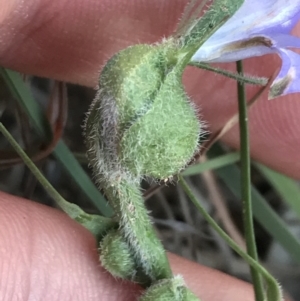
[
  {"x": 96, "y": 224},
  {"x": 273, "y": 288},
  {"x": 71, "y": 165},
  {"x": 262, "y": 212},
  {"x": 288, "y": 189},
  {"x": 61, "y": 152},
  {"x": 22, "y": 94},
  {"x": 214, "y": 163}
]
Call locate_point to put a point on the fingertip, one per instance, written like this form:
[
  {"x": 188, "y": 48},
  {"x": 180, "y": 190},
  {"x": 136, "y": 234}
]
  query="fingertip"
[
  {"x": 54, "y": 258},
  {"x": 71, "y": 41},
  {"x": 211, "y": 284},
  {"x": 47, "y": 256},
  {"x": 6, "y": 9}
]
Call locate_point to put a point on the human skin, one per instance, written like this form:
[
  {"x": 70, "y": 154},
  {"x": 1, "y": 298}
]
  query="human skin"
[{"x": 45, "y": 255}]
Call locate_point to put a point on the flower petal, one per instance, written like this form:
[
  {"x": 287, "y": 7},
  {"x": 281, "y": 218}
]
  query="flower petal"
[
  {"x": 254, "y": 46},
  {"x": 284, "y": 41},
  {"x": 254, "y": 18},
  {"x": 238, "y": 50},
  {"x": 261, "y": 16},
  {"x": 288, "y": 78}
]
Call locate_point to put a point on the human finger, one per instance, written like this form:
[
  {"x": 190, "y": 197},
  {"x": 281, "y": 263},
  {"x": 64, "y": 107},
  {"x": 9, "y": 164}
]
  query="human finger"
[
  {"x": 47, "y": 256},
  {"x": 71, "y": 41}
]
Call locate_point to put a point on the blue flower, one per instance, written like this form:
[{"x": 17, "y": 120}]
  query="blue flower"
[{"x": 259, "y": 27}]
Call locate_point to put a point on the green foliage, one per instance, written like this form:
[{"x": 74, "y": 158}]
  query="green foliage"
[
  {"x": 142, "y": 124},
  {"x": 168, "y": 119},
  {"x": 129, "y": 122},
  {"x": 273, "y": 290},
  {"x": 198, "y": 32},
  {"x": 262, "y": 212},
  {"x": 96, "y": 224},
  {"x": 62, "y": 153},
  {"x": 116, "y": 256},
  {"x": 137, "y": 230},
  {"x": 288, "y": 189},
  {"x": 169, "y": 289},
  {"x": 130, "y": 134},
  {"x": 213, "y": 163}
]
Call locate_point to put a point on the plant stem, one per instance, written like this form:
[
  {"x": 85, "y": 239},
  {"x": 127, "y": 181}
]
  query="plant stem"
[
  {"x": 136, "y": 228},
  {"x": 251, "y": 80},
  {"x": 246, "y": 186},
  {"x": 94, "y": 223},
  {"x": 273, "y": 289}
]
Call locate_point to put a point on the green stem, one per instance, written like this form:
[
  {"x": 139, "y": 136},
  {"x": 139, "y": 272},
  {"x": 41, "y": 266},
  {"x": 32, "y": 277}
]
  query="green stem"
[
  {"x": 273, "y": 289},
  {"x": 262, "y": 81},
  {"x": 246, "y": 186},
  {"x": 94, "y": 223},
  {"x": 137, "y": 230}
]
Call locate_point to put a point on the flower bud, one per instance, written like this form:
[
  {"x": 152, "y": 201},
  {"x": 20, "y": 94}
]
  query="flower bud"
[
  {"x": 116, "y": 256},
  {"x": 147, "y": 125},
  {"x": 169, "y": 290}
]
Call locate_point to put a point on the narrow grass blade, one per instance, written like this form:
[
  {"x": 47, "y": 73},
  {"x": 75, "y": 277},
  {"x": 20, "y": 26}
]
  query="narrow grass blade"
[
  {"x": 61, "y": 152},
  {"x": 22, "y": 94},
  {"x": 273, "y": 291},
  {"x": 262, "y": 212},
  {"x": 71, "y": 165},
  {"x": 96, "y": 224},
  {"x": 288, "y": 189},
  {"x": 211, "y": 164}
]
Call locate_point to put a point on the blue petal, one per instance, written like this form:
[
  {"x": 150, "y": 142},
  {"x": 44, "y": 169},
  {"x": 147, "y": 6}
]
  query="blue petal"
[
  {"x": 254, "y": 18},
  {"x": 253, "y": 46},
  {"x": 288, "y": 78},
  {"x": 270, "y": 16},
  {"x": 284, "y": 41},
  {"x": 235, "y": 51}
]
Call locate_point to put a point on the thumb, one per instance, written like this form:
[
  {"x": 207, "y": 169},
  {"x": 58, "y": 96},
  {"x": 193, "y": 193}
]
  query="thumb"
[{"x": 47, "y": 256}]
